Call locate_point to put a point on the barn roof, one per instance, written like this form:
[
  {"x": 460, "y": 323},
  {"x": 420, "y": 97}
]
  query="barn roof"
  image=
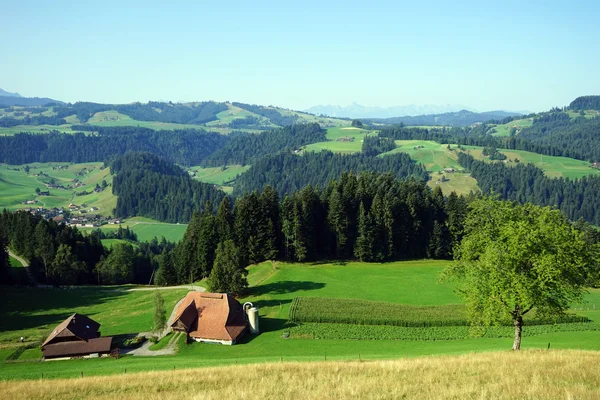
[
  {"x": 79, "y": 347},
  {"x": 76, "y": 326},
  {"x": 216, "y": 316}
]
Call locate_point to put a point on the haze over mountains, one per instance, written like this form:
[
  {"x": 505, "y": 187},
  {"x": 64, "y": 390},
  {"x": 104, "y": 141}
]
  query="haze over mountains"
[
  {"x": 4, "y": 93},
  {"x": 356, "y": 110}
]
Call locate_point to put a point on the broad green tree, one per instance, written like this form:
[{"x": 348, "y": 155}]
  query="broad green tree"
[{"x": 517, "y": 258}]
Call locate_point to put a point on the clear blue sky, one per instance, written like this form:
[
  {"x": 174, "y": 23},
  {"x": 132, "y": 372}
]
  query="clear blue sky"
[{"x": 515, "y": 55}]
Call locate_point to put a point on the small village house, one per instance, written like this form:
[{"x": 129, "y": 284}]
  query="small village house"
[
  {"x": 77, "y": 336},
  {"x": 211, "y": 318}
]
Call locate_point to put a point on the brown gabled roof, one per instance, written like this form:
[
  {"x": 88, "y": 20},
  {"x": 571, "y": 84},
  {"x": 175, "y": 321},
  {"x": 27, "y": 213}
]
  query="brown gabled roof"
[
  {"x": 214, "y": 316},
  {"x": 78, "y": 348},
  {"x": 76, "y": 326}
]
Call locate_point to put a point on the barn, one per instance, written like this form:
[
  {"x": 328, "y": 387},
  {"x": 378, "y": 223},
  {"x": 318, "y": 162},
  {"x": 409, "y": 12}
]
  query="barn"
[
  {"x": 211, "y": 318},
  {"x": 76, "y": 336}
]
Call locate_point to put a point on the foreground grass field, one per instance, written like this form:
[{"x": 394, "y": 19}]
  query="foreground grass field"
[
  {"x": 273, "y": 288},
  {"x": 503, "y": 375}
]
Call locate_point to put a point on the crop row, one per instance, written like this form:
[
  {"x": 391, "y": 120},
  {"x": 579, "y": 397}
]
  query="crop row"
[
  {"x": 364, "y": 312},
  {"x": 382, "y": 332}
]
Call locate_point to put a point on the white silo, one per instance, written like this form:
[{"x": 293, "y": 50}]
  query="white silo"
[{"x": 252, "y": 317}]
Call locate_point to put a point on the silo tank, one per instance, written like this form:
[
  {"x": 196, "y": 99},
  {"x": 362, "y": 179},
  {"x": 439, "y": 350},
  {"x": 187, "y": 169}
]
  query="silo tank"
[{"x": 253, "y": 320}]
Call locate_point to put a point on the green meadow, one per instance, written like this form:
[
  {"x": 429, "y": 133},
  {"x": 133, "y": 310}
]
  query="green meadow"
[
  {"x": 273, "y": 286},
  {"x": 114, "y": 118},
  {"x": 17, "y": 186},
  {"x": 435, "y": 157},
  {"x": 219, "y": 176},
  {"x": 333, "y": 143},
  {"x": 504, "y": 129},
  {"x": 553, "y": 167},
  {"x": 146, "y": 229}
]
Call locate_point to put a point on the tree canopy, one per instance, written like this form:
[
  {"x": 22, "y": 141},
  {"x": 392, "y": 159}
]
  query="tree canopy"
[{"x": 517, "y": 258}]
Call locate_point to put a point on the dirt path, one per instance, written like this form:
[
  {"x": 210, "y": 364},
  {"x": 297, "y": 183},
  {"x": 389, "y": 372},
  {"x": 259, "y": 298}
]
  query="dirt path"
[
  {"x": 144, "y": 350},
  {"x": 25, "y": 265}
]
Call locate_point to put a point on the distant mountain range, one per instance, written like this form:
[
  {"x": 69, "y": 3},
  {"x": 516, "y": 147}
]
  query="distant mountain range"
[
  {"x": 4, "y": 93},
  {"x": 15, "y": 99},
  {"x": 359, "y": 111},
  {"x": 460, "y": 118}
]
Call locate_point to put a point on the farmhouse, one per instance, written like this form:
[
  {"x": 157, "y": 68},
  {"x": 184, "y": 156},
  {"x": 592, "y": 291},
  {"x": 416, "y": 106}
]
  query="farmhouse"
[
  {"x": 596, "y": 165},
  {"x": 76, "y": 336},
  {"x": 211, "y": 318},
  {"x": 449, "y": 170}
]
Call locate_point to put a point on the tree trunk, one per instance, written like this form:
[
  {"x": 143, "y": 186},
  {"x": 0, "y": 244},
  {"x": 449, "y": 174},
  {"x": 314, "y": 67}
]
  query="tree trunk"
[{"x": 518, "y": 322}]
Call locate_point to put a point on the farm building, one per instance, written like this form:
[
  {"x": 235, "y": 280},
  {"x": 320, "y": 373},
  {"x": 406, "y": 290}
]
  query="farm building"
[
  {"x": 76, "y": 336},
  {"x": 211, "y": 318},
  {"x": 449, "y": 170}
]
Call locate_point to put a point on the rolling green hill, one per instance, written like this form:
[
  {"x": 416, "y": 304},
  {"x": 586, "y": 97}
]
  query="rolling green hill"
[{"x": 16, "y": 186}]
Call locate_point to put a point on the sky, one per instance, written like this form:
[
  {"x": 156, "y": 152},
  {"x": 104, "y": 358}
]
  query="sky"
[{"x": 486, "y": 55}]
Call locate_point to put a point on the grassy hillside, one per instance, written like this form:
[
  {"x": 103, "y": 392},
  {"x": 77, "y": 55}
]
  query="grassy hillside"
[
  {"x": 146, "y": 229},
  {"x": 219, "y": 176},
  {"x": 505, "y": 129},
  {"x": 113, "y": 118},
  {"x": 553, "y": 167},
  {"x": 505, "y": 375},
  {"x": 335, "y": 142},
  {"x": 33, "y": 312},
  {"x": 273, "y": 287},
  {"x": 17, "y": 186}
]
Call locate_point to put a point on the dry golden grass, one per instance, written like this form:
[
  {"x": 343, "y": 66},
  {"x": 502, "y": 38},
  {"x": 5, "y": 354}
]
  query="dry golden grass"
[{"x": 503, "y": 375}]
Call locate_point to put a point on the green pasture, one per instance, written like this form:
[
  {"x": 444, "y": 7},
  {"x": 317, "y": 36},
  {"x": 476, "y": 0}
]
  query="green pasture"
[
  {"x": 334, "y": 134},
  {"x": 587, "y": 113},
  {"x": 504, "y": 129},
  {"x": 33, "y": 312},
  {"x": 17, "y": 186},
  {"x": 146, "y": 229},
  {"x": 435, "y": 157},
  {"x": 553, "y": 167},
  {"x": 218, "y": 175},
  {"x": 114, "y": 118},
  {"x": 40, "y": 129},
  {"x": 109, "y": 243},
  {"x": 273, "y": 288}
]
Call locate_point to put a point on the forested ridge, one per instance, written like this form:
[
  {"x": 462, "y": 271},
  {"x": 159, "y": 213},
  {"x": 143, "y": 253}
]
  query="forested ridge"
[
  {"x": 288, "y": 172},
  {"x": 579, "y": 198},
  {"x": 59, "y": 254},
  {"x": 186, "y": 147},
  {"x": 369, "y": 216},
  {"x": 149, "y": 186},
  {"x": 273, "y": 115},
  {"x": 585, "y": 103},
  {"x": 152, "y": 111},
  {"x": 243, "y": 148}
]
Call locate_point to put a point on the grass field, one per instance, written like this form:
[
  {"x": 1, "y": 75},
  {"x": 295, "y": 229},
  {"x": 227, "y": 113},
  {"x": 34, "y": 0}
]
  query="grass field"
[
  {"x": 504, "y": 129},
  {"x": 146, "y": 229},
  {"x": 224, "y": 178},
  {"x": 436, "y": 157},
  {"x": 14, "y": 262},
  {"x": 502, "y": 375},
  {"x": 273, "y": 287},
  {"x": 333, "y": 134},
  {"x": 114, "y": 118},
  {"x": 553, "y": 167},
  {"x": 33, "y": 312},
  {"x": 108, "y": 243},
  {"x": 17, "y": 186}
]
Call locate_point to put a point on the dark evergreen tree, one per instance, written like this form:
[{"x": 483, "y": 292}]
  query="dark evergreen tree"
[{"x": 228, "y": 274}]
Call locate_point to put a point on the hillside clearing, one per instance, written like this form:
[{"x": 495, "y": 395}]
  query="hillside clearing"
[
  {"x": 147, "y": 229},
  {"x": 504, "y": 375}
]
